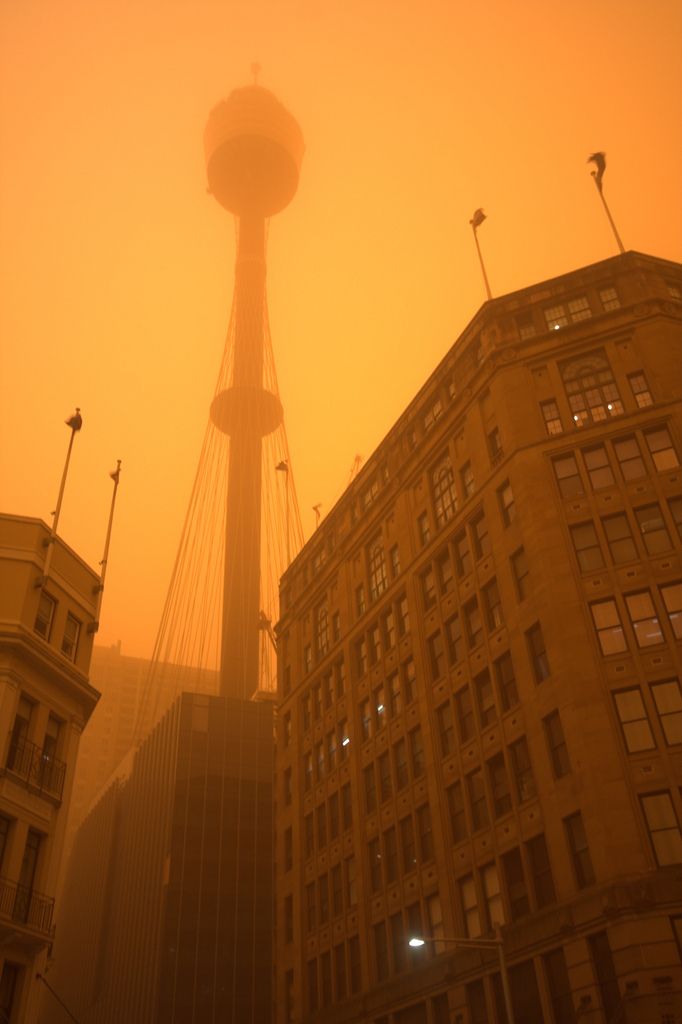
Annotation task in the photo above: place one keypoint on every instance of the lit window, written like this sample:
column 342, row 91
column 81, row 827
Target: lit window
column 661, row 449
column 672, row 599
column 568, row 476
column 591, row 390
column 467, row 477
column 377, row 569
column 668, row 701
column 629, row 458
column 519, row 564
column 556, row 745
column 633, row 720
column 609, row 627
column 538, row 653
column 72, row 630
column 552, row 417
column 444, row 493
column 653, row 529
column 507, row 506
column 644, row 619
column 556, row 317
column 598, row 467
column 619, row 538
column 580, row 853
column 663, row 826
column 609, row 299
column 640, row 389
column 586, row 546
column 45, row 615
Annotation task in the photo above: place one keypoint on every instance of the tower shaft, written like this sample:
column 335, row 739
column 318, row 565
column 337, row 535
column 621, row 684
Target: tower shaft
column 241, row 588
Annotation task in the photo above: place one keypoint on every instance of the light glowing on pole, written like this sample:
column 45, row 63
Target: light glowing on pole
column 417, row 941
column 599, row 161
column 476, row 221
column 75, row 422
column 99, row 589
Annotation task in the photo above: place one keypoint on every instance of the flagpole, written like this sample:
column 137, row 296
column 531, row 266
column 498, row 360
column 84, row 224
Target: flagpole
column 99, row 589
column 75, row 422
column 600, row 190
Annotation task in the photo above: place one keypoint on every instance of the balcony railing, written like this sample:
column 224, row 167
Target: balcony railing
column 37, row 769
column 25, row 906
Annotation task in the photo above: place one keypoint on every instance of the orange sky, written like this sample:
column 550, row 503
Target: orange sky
column 116, row 267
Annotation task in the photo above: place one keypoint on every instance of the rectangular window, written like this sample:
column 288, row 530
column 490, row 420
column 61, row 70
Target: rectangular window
column 586, row 547
column 395, row 702
column 323, row 898
column 394, row 555
column 465, row 714
column 568, row 476
column 417, row 753
column 409, row 678
column 321, row 818
column 485, row 699
column 388, row 629
column 506, row 682
column 432, row 414
column 640, row 389
column 307, row 770
column 607, row 979
column 311, row 906
column 661, row 449
column 423, row 529
column 541, row 871
column 313, row 997
column 458, row 825
column 515, row 882
column 453, row 637
column 598, row 467
column 526, row 326
column 524, row 781
column 340, row 972
column 499, row 785
column 354, row 962
column 379, row 701
column 552, row 417
column 663, row 826
column 633, row 720
column 521, row 573
column 360, row 603
column 390, row 855
column 45, row 615
column 556, row 745
column 675, row 506
column 462, row 555
column 319, row 761
column 340, row 678
column 480, row 536
column 322, row 629
column 505, row 497
column 629, row 458
column 653, row 529
column 307, row 659
column 644, row 619
column 444, row 573
column 592, row 392
column 619, row 538
column 490, row 883
column 609, row 627
column 374, row 860
column 492, row 604
column 385, row 787
column 344, row 739
column 374, row 644
column 477, row 802
column 308, row 835
column 446, row 730
column 360, row 656
column 495, row 445
column 370, row 789
column 400, row 764
column 380, row 950
column 428, row 588
column 407, row 844
column 672, row 599
column 537, row 652
column 351, row 882
column 668, row 701
column 378, row 580
column 346, row 806
column 403, row 616
column 579, row 850
column 609, row 299
column 398, row 942
column 425, row 832
column 472, row 623
column 467, row 479
column 472, row 919
column 444, row 493
column 334, row 818
column 559, row 986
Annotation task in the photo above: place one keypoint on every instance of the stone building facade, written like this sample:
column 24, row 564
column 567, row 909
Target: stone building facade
column 480, row 716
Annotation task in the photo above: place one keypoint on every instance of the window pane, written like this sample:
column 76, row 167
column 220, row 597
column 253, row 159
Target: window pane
column 672, row 598
column 633, row 719
column 661, row 448
column 668, row 700
column 629, row 458
column 644, row 619
column 653, row 529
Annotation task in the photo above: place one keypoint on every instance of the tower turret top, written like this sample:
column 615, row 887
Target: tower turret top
column 254, row 148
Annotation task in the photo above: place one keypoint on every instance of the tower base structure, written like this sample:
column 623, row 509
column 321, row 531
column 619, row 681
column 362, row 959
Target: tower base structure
column 167, row 913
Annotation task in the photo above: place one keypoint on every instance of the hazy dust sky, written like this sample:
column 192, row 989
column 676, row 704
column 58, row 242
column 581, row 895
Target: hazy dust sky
column 116, row 267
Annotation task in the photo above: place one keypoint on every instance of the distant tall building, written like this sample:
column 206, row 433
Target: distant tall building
column 480, row 717
column 45, row 701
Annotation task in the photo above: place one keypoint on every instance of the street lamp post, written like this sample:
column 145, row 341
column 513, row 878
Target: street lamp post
column 496, row 944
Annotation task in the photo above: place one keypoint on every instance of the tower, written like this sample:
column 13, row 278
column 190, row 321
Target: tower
column 254, row 149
